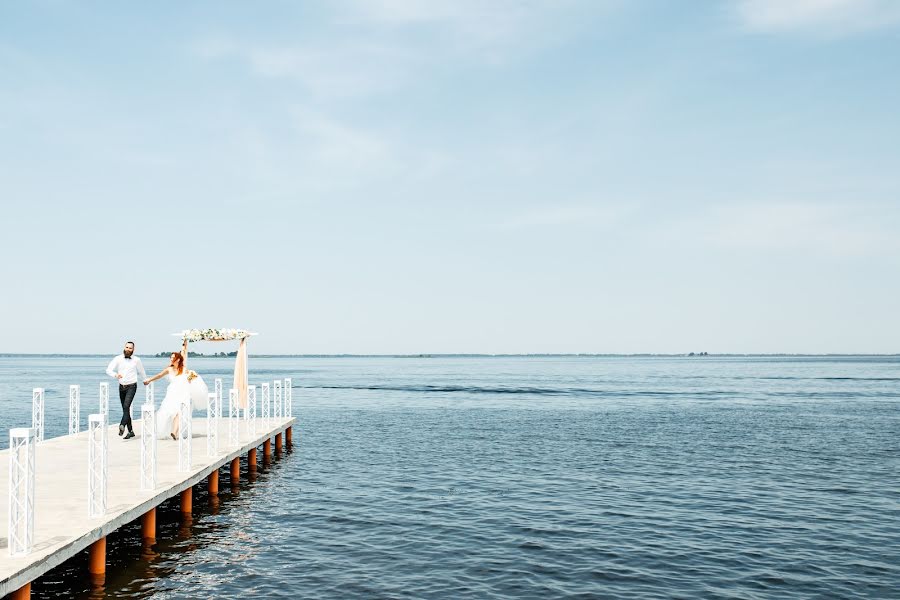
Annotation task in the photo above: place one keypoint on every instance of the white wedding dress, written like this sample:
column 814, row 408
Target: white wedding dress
column 180, row 390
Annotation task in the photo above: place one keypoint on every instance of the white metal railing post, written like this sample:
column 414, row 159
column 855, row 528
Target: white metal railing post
column 213, row 410
column 148, row 447
column 74, row 409
column 22, row 441
column 150, row 393
column 97, row 465
column 250, row 411
column 288, row 397
column 234, row 417
column 219, row 392
column 276, row 393
column 266, row 404
column 37, row 413
column 185, row 459
column 104, row 401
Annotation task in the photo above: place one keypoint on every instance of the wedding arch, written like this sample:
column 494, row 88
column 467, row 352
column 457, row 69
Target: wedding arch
column 223, row 335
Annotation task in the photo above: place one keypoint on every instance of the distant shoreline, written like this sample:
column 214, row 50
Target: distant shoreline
column 581, row 355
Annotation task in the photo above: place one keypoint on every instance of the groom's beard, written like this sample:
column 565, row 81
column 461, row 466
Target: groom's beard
column 128, row 354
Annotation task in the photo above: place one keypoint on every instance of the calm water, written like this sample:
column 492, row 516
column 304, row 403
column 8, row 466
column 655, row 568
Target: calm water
column 532, row 477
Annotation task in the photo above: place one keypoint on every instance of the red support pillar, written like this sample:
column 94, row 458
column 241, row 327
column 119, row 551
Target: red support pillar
column 278, row 443
column 187, row 501
column 148, row 526
column 97, row 558
column 23, row 593
column 212, row 483
column 235, row 471
column 251, row 460
column 288, row 435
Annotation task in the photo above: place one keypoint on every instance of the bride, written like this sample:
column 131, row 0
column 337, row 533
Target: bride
column 184, row 386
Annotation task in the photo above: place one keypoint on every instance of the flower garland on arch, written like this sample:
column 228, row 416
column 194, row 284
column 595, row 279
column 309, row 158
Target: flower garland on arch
column 213, row 335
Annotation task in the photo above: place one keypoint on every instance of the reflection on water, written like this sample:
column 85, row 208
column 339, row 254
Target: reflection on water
column 138, row 569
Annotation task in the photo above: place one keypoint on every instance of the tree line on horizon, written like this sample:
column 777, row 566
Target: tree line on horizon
column 200, row 354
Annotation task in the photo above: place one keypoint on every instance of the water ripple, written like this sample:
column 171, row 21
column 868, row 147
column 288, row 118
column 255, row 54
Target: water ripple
column 760, row 479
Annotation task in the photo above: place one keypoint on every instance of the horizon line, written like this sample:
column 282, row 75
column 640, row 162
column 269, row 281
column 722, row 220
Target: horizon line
column 484, row 354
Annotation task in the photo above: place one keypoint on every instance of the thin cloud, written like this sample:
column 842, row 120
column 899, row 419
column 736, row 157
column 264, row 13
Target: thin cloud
column 470, row 24
column 564, row 216
column 494, row 19
column 377, row 46
column 339, row 69
column 338, row 143
column 315, row 151
column 830, row 229
column 826, row 17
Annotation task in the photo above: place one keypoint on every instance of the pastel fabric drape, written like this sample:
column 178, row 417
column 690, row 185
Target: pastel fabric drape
column 240, row 374
column 240, row 370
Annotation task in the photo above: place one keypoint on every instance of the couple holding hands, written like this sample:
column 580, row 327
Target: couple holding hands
column 184, row 387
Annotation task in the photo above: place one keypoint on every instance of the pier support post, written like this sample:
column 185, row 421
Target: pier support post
column 278, row 444
column 23, row 593
column 288, row 397
column 185, row 435
column 98, row 457
column 277, row 403
column 250, row 411
column 267, row 450
column 148, row 526
column 104, row 402
column 20, row 530
column 37, row 413
column 234, row 418
column 212, row 483
column 235, row 471
column 74, row 409
column 266, row 404
column 251, row 459
column 97, row 557
column 187, row 501
column 213, row 413
column 288, row 436
column 148, row 447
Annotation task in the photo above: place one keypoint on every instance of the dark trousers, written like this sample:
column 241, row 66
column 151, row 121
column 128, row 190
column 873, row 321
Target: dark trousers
column 126, row 397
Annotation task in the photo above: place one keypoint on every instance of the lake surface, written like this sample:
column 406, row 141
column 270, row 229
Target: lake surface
column 699, row 477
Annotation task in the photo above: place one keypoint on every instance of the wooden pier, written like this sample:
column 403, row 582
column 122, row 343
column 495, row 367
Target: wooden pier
column 62, row 527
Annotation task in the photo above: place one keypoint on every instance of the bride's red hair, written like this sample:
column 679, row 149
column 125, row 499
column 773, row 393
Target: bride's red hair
column 178, row 362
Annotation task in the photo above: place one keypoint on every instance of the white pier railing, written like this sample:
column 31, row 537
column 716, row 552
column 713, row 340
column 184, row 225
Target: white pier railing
column 104, row 401
column 37, row 413
column 148, row 446
column 250, row 411
column 20, row 536
column 74, row 409
column 98, row 472
column 213, row 411
column 288, row 397
column 219, row 394
column 234, row 417
column 149, row 394
column 185, row 459
column 276, row 393
column 266, row 404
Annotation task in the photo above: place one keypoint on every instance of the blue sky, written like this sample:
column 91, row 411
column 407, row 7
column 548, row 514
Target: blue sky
column 402, row 176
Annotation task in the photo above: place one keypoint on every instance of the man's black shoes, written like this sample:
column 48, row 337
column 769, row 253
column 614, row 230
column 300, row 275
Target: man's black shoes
column 129, row 436
column 121, row 429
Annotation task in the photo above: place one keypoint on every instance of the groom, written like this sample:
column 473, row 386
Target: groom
column 125, row 368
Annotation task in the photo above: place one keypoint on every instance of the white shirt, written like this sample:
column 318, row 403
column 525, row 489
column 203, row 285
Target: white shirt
column 126, row 367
